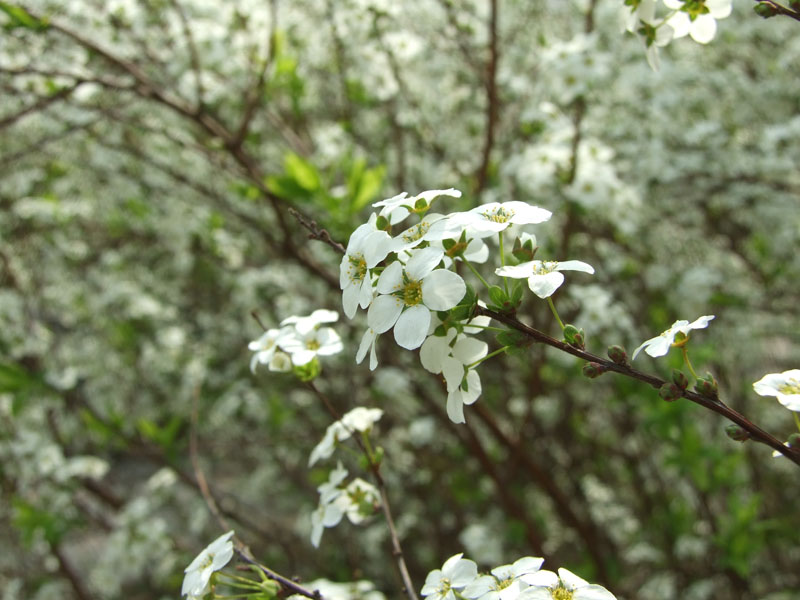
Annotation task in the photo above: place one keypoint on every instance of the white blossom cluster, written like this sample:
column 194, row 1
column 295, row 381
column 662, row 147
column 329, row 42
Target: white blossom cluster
column 522, row 580
column 407, row 281
column 696, row 18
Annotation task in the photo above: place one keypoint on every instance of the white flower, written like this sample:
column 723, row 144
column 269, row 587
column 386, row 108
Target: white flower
column 544, row 277
column 397, row 208
column 368, row 343
column 304, row 347
column 505, row 582
column 700, row 22
column 455, row 574
column 488, row 219
column 784, row 386
column 198, row 574
column 358, row 419
column 265, row 347
column 451, row 356
column 546, row 585
column 367, row 247
column 660, row 345
column 329, row 512
column 280, row 362
column 361, row 497
column 303, row 325
column 413, row 236
column 645, row 11
column 408, row 294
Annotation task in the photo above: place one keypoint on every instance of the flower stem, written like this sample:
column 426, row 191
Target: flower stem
column 503, row 262
column 488, row 356
column 796, row 419
column 685, row 352
column 238, row 582
column 555, row 312
column 478, row 275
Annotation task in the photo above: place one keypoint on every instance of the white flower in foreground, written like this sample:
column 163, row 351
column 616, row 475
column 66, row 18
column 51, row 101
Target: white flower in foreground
column 660, row 345
column 700, row 22
column 265, row 347
column 451, row 357
column 644, row 10
column 397, row 208
column 505, row 582
column 546, row 585
column 544, row 277
column 784, row 386
column 455, row 574
column 409, row 293
column 488, row 219
column 413, row 236
column 365, row 249
column 368, row 344
column 358, row 419
column 303, row 325
column 304, row 347
column 198, row 574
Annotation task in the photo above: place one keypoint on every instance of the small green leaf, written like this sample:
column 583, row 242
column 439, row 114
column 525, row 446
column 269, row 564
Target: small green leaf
column 497, row 296
column 302, row 172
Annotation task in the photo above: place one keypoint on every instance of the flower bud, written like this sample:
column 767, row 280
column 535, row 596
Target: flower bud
column 679, row 379
column 382, row 223
column 670, row 392
column 593, row 370
column 765, row 10
column 707, row 386
column 574, row 336
column 737, row 433
column 794, row 440
column 618, row 355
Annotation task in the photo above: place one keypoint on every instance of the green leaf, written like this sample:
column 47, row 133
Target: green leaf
column 19, row 17
column 497, row 296
column 302, row 172
column 367, row 188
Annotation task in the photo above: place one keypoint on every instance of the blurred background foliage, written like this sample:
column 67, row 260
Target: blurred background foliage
column 150, row 151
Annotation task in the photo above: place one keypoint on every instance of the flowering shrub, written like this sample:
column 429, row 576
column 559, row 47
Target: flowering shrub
column 174, row 167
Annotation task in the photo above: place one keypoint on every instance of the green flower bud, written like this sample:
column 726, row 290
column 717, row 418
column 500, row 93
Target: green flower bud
column 679, row 379
column 308, row 371
column 794, row 440
column 593, row 370
column 707, row 386
column 670, row 392
column 736, row 433
column 574, row 336
column 765, row 10
column 618, row 355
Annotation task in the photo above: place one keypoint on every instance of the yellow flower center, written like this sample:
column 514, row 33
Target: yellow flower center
column 412, row 292
column 358, row 268
column 312, row 345
column 790, row 387
column 544, row 268
column 561, row 593
column 500, row 215
column 416, row 232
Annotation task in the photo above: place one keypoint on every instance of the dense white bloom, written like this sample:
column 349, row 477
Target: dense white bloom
column 505, row 582
column 455, row 574
column 409, row 292
column 784, row 386
column 198, row 574
column 365, row 249
column 546, row 585
column 700, row 23
column 304, row 347
column 451, row 356
column 358, row 419
column 660, row 345
column 488, row 219
column 544, row 277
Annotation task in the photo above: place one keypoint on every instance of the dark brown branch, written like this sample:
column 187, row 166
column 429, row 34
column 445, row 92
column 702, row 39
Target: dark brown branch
column 194, row 57
column 68, row 571
column 717, row 406
column 37, row 106
column 492, row 100
column 780, row 9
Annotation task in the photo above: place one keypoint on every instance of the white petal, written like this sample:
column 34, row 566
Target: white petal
column 366, row 293
column 524, row 213
column 423, row 262
column 453, row 372
column 455, row 407
column 350, row 297
column 703, row 29
column 520, row 271
column 593, row 592
column 376, row 247
column 575, row 265
column 383, row 313
column 391, row 278
column 543, row 578
column 570, row 580
column 442, row 290
column 680, row 23
column 432, row 353
column 719, row 8
column 412, row 326
column 474, row 384
column 544, row 285
column 468, row 350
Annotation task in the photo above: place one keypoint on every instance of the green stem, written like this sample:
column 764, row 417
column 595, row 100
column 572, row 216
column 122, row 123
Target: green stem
column 685, row 352
column 368, row 448
column 486, row 327
column 237, row 581
column 503, row 262
column 796, row 419
column 488, row 356
column 478, row 275
column 555, row 312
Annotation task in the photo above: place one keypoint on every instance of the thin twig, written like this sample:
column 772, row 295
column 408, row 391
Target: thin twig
column 315, row 232
column 492, row 100
column 397, row 550
column 715, row 405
